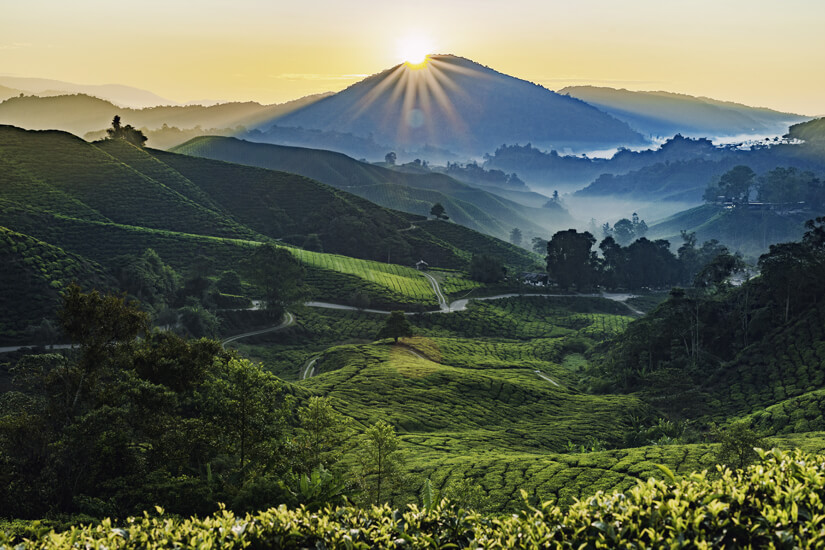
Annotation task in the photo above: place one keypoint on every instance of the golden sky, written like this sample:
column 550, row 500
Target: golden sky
column 758, row 52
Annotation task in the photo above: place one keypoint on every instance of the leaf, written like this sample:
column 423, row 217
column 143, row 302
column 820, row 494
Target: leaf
column 667, row 472
column 427, row 494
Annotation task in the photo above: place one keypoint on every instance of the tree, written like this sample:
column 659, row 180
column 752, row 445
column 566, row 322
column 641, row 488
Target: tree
column 515, row 236
column 126, row 133
column 390, row 158
column 438, row 211
column 734, row 184
column 570, row 260
column 396, row 326
column 278, row 274
column 539, row 245
column 380, row 462
column 486, row 269
column 736, row 446
column 322, row 432
column 623, row 231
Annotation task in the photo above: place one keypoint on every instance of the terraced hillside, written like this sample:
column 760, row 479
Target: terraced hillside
column 465, row 204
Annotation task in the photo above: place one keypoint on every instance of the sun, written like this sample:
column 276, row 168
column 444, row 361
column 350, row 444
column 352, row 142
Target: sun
column 414, row 50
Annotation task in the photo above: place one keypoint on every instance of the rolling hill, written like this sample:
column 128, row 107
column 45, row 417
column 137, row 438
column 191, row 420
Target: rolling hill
column 455, row 104
column 95, row 202
column 125, row 96
column 167, row 125
column 665, row 113
column 412, row 192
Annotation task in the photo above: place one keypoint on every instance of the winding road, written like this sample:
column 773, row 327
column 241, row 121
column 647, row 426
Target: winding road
column 289, row 320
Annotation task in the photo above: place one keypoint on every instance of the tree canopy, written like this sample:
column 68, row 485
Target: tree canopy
column 126, row 133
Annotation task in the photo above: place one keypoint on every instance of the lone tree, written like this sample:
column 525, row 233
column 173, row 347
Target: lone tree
column 515, row 236
column 126, row 133
column 278, row 274
column 390, row 158
column 438, row 211
column 734, row 184
column 396, row 326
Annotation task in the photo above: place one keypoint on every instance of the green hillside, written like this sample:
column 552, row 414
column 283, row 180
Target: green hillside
column 33, row 275
column 465, row 204
column 750, row 232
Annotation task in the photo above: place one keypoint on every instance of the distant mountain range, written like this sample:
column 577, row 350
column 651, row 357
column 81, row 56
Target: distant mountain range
column 124, row 96
column 665, row 114
column 454, row 104
column 81, row 114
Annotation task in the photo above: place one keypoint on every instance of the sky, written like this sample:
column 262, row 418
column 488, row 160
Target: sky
column 757, row 52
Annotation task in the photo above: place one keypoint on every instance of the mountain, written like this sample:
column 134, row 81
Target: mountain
column 744, row 230
column 811, row 131
column 164, row 125
column 455, row 104
column 665, row 113
column 410, row 192
column 125, row 96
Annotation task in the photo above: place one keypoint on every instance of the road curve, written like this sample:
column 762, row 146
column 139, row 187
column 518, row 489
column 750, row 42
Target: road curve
column 289, row 320
column 442, row 301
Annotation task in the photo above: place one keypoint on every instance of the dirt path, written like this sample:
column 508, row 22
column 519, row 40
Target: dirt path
column 308, row 371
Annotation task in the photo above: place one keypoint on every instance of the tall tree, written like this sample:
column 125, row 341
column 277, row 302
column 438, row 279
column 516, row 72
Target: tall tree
column 515, row 236
column 438, row 211
column 570, row 260
column 126, row 133
column 380, row 462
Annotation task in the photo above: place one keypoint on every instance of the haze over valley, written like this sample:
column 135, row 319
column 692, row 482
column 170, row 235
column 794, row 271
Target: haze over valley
column 412, row 275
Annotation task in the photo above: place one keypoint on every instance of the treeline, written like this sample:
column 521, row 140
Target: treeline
column 679, row 348
column 778, row 186
column 573, row 263
column 134, row 419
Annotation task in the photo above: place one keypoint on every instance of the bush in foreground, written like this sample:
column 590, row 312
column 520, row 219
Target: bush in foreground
column 777, row 502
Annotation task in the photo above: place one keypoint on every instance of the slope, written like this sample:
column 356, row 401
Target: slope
column 456, row 104
column 741, row 229
column 416, row 193
column 32, row 277
column 665, row 113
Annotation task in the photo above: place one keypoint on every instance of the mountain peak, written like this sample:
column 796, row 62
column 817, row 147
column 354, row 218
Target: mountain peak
column 456, row 104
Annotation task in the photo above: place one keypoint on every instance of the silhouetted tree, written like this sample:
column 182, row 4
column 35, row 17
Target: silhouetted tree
column 515, row 236
column 126, row 133
column 438, row 211
column 486, row 269
column 390, row 158
column 570, row 260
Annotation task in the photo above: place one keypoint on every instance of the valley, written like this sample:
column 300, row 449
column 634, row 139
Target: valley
column 418, row 303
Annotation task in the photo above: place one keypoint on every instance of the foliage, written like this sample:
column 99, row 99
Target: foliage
column 486, row 269
column 126, row 133
column 515, row 236
column 776, row 503
column 569, row 259
column 380, row 461
column 396, row 326
column 438, row 212
column 737, row 446
column 278, row 274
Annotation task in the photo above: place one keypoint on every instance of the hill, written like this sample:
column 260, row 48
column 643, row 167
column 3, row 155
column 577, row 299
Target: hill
column 37, row 272
column 811, row 131
column 411, row 192
column 126, row 96
column 169, row 125
column 665, row 113
column 455, row 104
column 744, row 230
